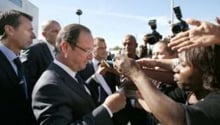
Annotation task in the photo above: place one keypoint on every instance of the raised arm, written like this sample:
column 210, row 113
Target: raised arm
column 203, row 34
column 167, row 111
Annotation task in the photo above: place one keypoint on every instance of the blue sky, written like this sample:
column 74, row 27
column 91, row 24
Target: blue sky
column 113, row 19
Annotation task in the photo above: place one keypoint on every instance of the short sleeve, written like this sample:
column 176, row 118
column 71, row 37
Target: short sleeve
column 206, row 112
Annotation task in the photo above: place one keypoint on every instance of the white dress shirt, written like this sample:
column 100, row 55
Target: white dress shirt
column 51, row 48
column 99, row 78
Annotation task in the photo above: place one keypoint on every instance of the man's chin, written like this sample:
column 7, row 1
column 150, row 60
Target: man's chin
column 24, row 46
column 82, row 67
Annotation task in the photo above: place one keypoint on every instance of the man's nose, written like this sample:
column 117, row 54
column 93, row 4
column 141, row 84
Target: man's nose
column 33, row 35
column 90, row 56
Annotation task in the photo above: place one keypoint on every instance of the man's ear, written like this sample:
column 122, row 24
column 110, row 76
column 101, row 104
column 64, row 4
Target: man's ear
column 9, row 30
column 64, row 47
column 43, row 34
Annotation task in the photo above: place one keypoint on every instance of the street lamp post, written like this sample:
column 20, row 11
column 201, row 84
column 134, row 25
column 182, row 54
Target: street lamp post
column 171, row 21
column 79, row 13
column 172, row 15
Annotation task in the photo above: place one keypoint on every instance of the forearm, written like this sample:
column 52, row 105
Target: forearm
column 166, row 63
column 163, row 76
column 167, row 111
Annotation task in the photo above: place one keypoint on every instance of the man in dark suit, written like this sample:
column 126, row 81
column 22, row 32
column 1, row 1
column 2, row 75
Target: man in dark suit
column 16, row 33
column 39, row 55
column 60, row 95
column 141, row 117
column 100, row 81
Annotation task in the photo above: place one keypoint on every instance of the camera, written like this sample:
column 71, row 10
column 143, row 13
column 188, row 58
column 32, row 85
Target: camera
column 154, row 36
column 153, row 24
column 181, row 25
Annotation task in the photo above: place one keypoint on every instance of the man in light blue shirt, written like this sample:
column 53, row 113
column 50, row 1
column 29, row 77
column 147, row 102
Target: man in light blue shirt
column 16, row 33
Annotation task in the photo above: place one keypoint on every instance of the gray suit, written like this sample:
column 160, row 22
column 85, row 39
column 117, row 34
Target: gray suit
column 59, row 100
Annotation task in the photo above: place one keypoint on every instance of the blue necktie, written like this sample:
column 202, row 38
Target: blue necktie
column 21, row 77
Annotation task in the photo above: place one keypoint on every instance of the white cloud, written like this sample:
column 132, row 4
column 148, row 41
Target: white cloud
column 161, row 20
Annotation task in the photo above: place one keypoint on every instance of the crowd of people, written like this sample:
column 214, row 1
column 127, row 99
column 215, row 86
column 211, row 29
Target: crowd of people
column 66, row 79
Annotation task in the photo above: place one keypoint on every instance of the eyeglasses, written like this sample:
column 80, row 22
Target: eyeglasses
column 85, row 50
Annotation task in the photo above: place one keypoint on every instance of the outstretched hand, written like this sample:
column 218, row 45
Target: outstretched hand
column 125, row 65
column 147, row 63
column 204, row 34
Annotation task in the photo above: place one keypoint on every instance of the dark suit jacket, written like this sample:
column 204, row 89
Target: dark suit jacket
column 15, row 109
column 38, row 59
column 59, row 100
column 111, row 79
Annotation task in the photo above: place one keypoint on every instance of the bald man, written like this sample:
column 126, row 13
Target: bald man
column 42, row 53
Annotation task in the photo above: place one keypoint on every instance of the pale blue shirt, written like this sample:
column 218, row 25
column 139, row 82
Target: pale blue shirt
column 10, row 55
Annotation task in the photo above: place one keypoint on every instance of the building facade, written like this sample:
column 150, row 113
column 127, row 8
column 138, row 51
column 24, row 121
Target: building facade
column 24, row 6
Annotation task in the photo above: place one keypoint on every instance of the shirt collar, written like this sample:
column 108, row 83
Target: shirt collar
column 65, row 68
column 95, row 61
column 51, row 47
column 8, row 53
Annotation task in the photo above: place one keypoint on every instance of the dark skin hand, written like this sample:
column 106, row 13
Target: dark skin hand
column 203, row 34
column 158, row 103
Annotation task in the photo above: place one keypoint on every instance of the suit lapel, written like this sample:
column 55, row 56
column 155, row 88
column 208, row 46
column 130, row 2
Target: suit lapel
column 91, row 69
column 87, row 72
column 106, row 77
column 74, row 85
column 111, row 81
column 7, row 67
